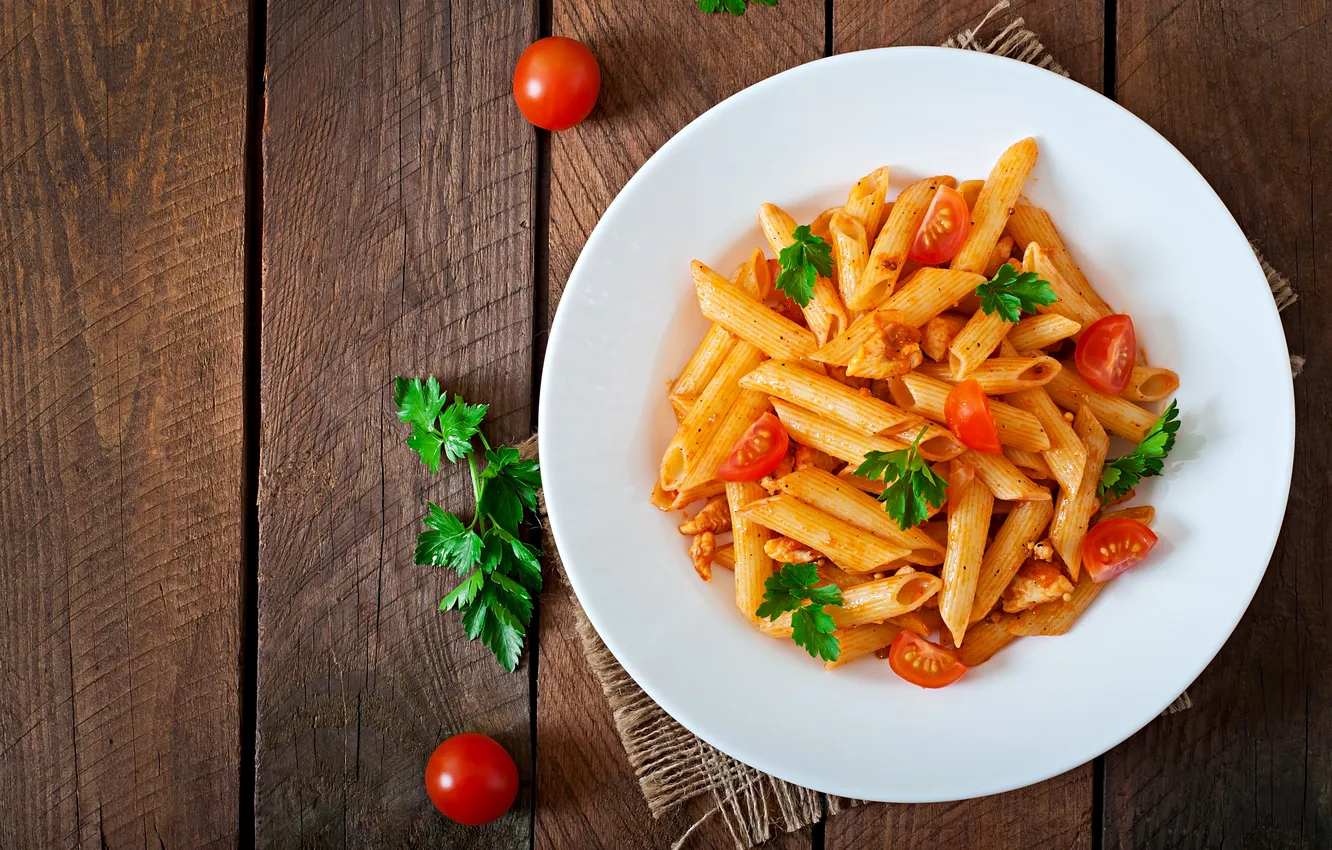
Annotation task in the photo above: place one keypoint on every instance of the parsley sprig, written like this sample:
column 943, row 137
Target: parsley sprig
column 792, row 589
column 499, row 572
column 1013, row 294
column 802, row 262
column 735, row 7
column 1123, row 473
column 913, row 488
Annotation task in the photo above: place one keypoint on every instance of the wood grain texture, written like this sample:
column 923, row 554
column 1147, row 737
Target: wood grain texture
column 398, row 206
column 662, row 64
column 121, row 289
column 1241, row 90
column 1056, row 813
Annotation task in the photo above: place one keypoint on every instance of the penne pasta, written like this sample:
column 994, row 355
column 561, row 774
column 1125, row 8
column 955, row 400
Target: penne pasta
column 1073, row 511
column 831, row 398
column 724, row 557
column 1032, row 463
column 1150, row 383
column 1032, row 224
column 968, row 525
column 1009, row 549
column 684, row 498
column 1145, row 514
column 844, row 443
column 867, row 201
column 825, row 313
column 681, row 405
column 728, row 306
column 878, row 600
column 1119, row 415
column 746, row 410
column 983, row 641
column 1053, row 618
column 751, row 564
column 702, row 365
column 1016, row 427
column 859, row 641
column 850, row 250
column 833, row 574
column 1070, row 303
column 1034, row 332
column 1003, row 478
column 850, row 548
column 970, row 191
column 995, row 205
column 889, row 253
column 975, row 342
column 706, row 416
column 843, row 500
column 1000, row 375
column 923, row 621
column 1065, row 454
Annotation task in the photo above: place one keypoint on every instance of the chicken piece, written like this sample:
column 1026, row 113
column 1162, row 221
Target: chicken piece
column 807, row 458
column 770, row 484
column 701, row 551
column 938, row 334
column 1036, row 582
column 891, row 353
column 1040, row 551
column 784, row 550
column 714, row 517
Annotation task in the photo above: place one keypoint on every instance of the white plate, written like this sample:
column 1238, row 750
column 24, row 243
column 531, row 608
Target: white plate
column 1155, row 241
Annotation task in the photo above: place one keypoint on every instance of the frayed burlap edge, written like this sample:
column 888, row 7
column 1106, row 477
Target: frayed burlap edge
column 672, row 764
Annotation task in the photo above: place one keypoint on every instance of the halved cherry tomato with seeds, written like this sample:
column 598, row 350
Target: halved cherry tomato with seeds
column 1106, row 352
column 758, row 451
column 922, row 662
column 945, row 228
column 1115, row 545
column 967, row 412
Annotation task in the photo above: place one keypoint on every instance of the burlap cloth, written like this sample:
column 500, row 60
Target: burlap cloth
column 672, row 764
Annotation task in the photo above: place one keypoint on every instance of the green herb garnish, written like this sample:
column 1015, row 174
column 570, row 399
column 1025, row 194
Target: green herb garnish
column 1123, row 473
column 735, row 7
column 1013, row 294
column 913, row 488
column 792, row 589
column 802, row 262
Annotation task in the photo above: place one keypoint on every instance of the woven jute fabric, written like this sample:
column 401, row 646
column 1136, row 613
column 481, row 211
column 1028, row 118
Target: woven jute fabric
column 672, row 764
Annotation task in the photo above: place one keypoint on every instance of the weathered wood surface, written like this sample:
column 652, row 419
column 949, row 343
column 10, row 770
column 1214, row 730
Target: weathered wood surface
column 121, row 290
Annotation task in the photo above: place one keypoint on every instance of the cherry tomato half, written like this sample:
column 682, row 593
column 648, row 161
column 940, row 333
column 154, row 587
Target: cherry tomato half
column 556, row 82
column 757, row 452
column 967, row 412
column 1105, row 354
column 471, row 779
column 922, row 662
column 945, row 227
column 1115, row 545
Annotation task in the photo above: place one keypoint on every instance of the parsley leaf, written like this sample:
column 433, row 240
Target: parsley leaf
column 802, row 262
column 792, row 589
column 1013, row 294
column 913, row 488
column 1123, row 473
column 735, row 7
column 499, row 572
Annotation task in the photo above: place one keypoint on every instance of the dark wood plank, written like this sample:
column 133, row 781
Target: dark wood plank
column 121, row 290
column 1056, row 813
column 1242, row 89
column 398, row 207
column 662, row 65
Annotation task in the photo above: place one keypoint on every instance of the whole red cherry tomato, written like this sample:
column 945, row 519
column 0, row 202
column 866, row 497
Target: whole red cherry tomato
column 471, row 779
column 556, row 82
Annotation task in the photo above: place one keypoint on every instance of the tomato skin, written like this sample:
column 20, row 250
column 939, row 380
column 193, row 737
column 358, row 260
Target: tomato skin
column 910, row 649
column 1108, row 549
column 1106, row 352
column 967, row 412
column 944, row 229
column 471, row 779
column 556, row 82
column 758, row 451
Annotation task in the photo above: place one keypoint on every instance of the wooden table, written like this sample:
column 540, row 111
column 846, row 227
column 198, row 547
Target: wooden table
column 224, row 229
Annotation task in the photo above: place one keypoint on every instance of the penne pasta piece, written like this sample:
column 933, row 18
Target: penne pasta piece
column 1053, row 618
column 923, row 621
column 684, row 498
column 1119, row 415
column 850, row 250
column 1070, row 303
column 1009, row 549
column 840, row 498
column 1145, row 514
column 702, row 365
column 833, row 574
column 850, row 548
column 878, row 600
column 995, row 205
column 999, row 256
column 1073, row 511
column 970, row 190
column 728, row 306
column 859, row 641
column 1004, row 479
column 867, row 201
column 745, row 411
column 1000, row 375
column 1151, row 383
column 751, row 564
column 681, row 405
column 968, row 525
column 831, row 398
column 1036, row 332
column 818, row 227
column 983, row 641
column 976, row 342
column 1032, row 463
column 938, row 333
column 889, row 253
column 825, row 312
column 706, row 416
column 1065, row 454
column 1032, row 224
column 661, row 498
column 724, row 557
column 829, row 437
column 1016, row 427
